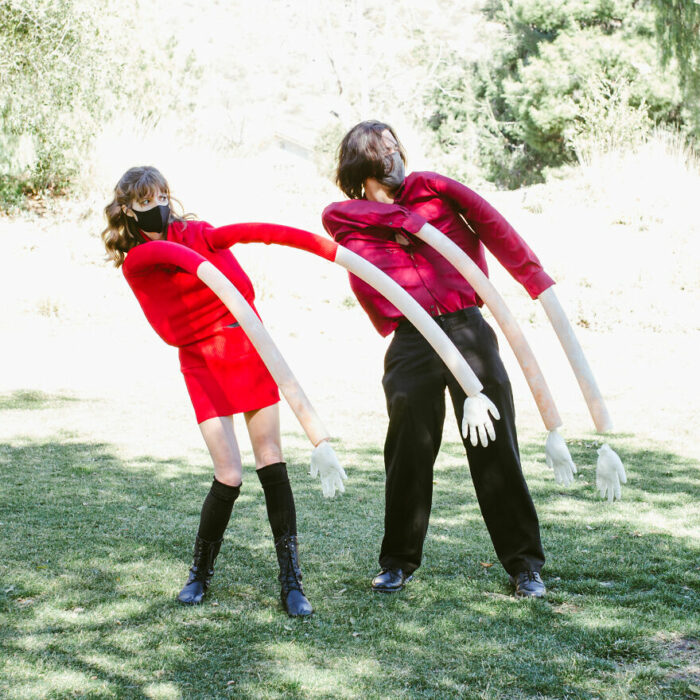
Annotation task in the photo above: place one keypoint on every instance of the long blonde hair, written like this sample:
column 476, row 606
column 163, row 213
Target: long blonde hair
column 122, row 234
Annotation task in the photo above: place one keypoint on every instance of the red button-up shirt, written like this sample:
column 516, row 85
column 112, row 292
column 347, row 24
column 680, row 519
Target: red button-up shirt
column 369, row 229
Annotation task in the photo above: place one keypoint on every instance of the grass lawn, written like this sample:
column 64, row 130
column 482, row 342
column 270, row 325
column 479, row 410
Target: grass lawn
column 95, row 546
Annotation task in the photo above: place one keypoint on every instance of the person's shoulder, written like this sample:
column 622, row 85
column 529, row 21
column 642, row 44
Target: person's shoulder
column 424, row 180
column 424, row 177
column 338, row 206
column 336, row 209
column 182, row 229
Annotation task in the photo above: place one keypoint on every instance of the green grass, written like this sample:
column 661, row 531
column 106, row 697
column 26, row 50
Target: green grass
column 95, row 547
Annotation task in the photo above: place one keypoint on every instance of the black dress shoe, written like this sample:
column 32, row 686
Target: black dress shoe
column 390, row 580
column 528, row 584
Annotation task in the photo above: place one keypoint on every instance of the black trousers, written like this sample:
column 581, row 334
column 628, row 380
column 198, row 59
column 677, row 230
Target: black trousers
column 414, row 383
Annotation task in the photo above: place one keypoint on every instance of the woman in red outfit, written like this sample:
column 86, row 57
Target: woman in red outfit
column 223, row 373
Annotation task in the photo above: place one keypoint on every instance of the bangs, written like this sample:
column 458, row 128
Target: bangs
column 150, row 181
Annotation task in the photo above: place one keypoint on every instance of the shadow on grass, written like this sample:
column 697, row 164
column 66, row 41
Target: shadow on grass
column 94, row 549
column 32, row 400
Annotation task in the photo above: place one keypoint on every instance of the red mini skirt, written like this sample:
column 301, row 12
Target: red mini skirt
column 225, row 375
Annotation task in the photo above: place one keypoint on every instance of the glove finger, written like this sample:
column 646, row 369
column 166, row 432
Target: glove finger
column 611, row 495
column 491, row 431
column 558, row 477
column 483, row 438
column 473, row 437
column 618, row 492
column 493, row 410
column 621, row 474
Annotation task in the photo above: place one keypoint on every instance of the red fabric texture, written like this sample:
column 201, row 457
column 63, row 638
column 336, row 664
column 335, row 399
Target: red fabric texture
column 226, row 236
column 179, row 306
column 223, row 372
column 369, row 229
column 225, row 375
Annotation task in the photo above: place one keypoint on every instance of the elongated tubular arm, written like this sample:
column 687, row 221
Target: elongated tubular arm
column 577, row 360
column 358, row 266
column 226, row 236
column 505, row 319
column 167, row 253
column 415, row 313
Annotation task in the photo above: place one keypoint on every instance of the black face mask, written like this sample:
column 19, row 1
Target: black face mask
column 395, row 174
column 154, row 220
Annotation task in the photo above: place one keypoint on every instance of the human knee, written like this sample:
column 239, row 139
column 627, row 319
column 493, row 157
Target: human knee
column 228, row 473
column 267, row 454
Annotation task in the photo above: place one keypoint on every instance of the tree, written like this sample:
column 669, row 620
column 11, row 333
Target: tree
column 557, row 71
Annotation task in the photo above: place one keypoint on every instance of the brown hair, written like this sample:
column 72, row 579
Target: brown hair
column 122, row 234
column 361, row 155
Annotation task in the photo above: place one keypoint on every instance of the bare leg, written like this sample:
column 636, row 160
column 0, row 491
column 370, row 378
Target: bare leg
column 264, row 431
column 221, row 442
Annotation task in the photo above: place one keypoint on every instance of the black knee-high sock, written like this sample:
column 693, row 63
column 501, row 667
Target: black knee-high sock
column 278, row 499
column 216, row 511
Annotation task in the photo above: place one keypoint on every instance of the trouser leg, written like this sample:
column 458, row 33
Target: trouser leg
column 415, row 395
column 503, row 495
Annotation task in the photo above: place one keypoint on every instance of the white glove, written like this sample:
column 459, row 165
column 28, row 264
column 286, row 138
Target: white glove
column 476, row 422
column 558, row 459
column 609, row 474
column 325, row 463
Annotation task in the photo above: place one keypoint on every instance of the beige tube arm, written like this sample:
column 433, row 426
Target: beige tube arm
column 415, row 313
column 505, row 319
column 266, row 348
column 577, row 360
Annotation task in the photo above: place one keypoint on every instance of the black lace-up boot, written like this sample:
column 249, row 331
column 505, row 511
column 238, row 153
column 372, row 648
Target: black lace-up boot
column 291, row 594
column 201, row 571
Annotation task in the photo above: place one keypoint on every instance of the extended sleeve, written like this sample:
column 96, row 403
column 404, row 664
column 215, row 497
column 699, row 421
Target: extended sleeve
column 226, row 236
column 496, row 234
column 352, row 216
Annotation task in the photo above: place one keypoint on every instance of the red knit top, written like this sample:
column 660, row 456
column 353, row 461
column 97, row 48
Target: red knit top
column 179, row 306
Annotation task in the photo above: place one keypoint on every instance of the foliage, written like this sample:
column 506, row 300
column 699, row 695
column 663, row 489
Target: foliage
column 557, row 72
column 52, row 89
column 678, row 31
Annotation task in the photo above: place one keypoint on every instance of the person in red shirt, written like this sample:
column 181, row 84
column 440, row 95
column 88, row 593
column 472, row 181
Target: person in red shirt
column 384, row 209
column 223, row 373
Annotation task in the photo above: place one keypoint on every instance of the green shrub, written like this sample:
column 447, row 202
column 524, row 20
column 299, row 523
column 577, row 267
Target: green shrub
column 55, row 81
column 559, row 74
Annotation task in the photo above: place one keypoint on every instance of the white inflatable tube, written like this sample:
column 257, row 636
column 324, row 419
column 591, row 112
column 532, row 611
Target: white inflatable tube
column 505, row 319
column 577, row 360
column 415, row 313
column 268, row 351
